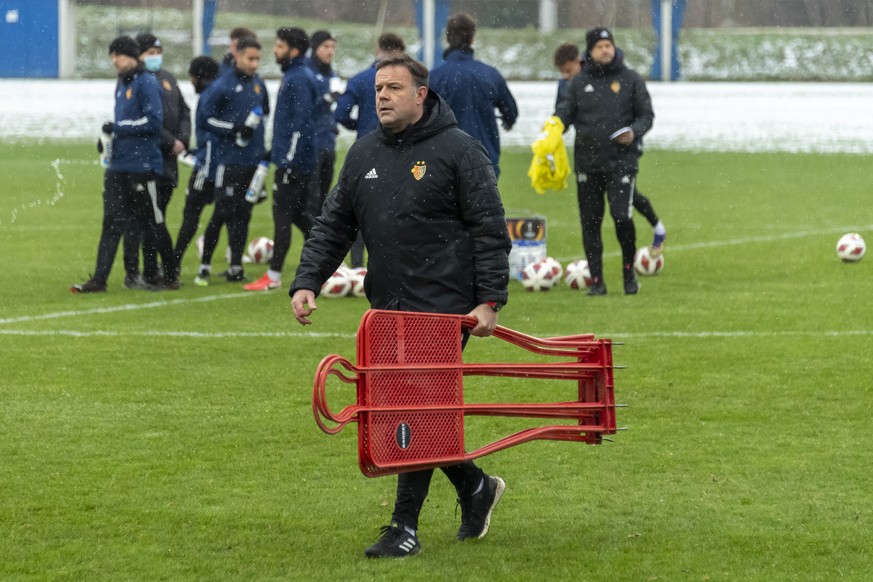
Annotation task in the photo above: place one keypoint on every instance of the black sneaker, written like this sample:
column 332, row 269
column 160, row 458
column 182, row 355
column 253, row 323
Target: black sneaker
column 598, row 287
column 631, row 285
column 394, row 542
column 89, row 286
column 170, row 284
column 136, row 282
column 234, row 277
column 476, row 510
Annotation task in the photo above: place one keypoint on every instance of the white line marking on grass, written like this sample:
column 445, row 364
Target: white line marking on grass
column 185, row 334
column 738, row 334
column 315, row 334
column 748, row 240
column 118, row 308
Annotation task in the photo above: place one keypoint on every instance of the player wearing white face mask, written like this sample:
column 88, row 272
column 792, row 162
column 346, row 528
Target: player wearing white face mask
column 175, row 137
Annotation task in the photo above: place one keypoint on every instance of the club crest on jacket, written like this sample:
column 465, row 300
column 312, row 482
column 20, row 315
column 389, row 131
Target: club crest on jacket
column 419, row 170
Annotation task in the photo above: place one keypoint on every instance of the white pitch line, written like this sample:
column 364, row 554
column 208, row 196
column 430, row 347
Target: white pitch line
column 749, row 240
column 185, row 334
column 738, row 334
column 126, row 307
column 315, row 334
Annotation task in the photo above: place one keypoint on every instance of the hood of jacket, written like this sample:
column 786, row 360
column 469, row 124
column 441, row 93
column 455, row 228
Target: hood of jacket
column 598, row 70
column 437, row 117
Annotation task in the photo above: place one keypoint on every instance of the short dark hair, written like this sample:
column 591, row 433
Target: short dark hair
column 247, row 42
column 460, row 30
column 203, row 67
column 294, row 38
column 417, row 69
column 241, row 32
column 390, row 42
column 566, row 53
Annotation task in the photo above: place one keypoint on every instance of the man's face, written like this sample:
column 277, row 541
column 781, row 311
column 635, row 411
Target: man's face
column 570, row 69
column 248, row 59
column 603, row 52
column 152, row 51
column 283, row 52
column 325, row 51
column 398, row 101
column 123, row 63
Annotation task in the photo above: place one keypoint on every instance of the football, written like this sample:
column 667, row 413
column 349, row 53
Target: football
column 556, row 268
column 578, row 275
column 539, row 276
column 261, row 250
column 357, row 278
column 645, row 264
column 337, row 285
column 851, row 248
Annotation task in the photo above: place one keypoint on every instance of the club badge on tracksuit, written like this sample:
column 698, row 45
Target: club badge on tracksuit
column 419, row 170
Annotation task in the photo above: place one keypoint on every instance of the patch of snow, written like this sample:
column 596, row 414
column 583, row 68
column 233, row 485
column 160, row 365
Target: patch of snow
column 747, row 117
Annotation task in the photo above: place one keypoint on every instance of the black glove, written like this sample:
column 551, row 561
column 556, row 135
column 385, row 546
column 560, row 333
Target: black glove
column 99, row 146
column 108, row 127
column 244, row 131
column 267, row 155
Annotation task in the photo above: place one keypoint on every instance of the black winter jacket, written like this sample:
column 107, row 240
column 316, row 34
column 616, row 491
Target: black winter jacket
column 430, row 214
column 177, row 123
column 599, row 101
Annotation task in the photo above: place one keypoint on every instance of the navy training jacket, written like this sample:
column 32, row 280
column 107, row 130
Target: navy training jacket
column 360, row 91
column 294, row 144
column 230, row 99
column 139, row 119
column 474, row 90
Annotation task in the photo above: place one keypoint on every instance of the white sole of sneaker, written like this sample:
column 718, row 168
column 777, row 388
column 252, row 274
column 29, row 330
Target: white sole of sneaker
column 501, row 487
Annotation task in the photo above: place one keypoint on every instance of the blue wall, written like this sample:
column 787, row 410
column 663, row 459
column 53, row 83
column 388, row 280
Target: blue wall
column 29, row 38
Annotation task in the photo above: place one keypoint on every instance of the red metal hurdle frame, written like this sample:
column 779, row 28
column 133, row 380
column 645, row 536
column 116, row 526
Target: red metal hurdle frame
column 410, row 397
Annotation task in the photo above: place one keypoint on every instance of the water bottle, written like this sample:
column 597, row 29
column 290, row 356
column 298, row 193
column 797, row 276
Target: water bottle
column 257, row 183
column 253, row 120
column 106, row 143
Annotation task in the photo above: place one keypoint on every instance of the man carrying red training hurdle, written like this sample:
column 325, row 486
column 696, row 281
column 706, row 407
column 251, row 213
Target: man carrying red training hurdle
column 424, row 195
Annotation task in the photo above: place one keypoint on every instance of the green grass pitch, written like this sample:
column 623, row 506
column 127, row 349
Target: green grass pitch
column 167, row 436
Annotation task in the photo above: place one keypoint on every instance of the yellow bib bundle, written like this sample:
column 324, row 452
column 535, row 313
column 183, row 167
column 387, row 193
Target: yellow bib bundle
column 550, row 166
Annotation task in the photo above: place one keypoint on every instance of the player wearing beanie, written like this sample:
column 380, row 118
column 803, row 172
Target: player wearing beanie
column 610, row 108
column 130, row 182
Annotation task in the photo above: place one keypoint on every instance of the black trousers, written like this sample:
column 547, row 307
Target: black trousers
column 413, row 487
column 322, row 181
column 130, row 203
column 619, row 190
column 199, row 194
column 292, row 202
column 137, row 237
column 644, row 206
column 231, row 210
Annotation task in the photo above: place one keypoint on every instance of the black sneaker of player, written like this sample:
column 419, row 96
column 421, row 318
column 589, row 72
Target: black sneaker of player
column 394, row 542
column 598, row 287
column 89, row 286
column 476, row 510
column 234, row 277
column 139, row 283
column 631, row 285
column 170, row 284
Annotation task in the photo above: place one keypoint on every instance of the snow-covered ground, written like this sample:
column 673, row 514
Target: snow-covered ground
column 755, row 117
